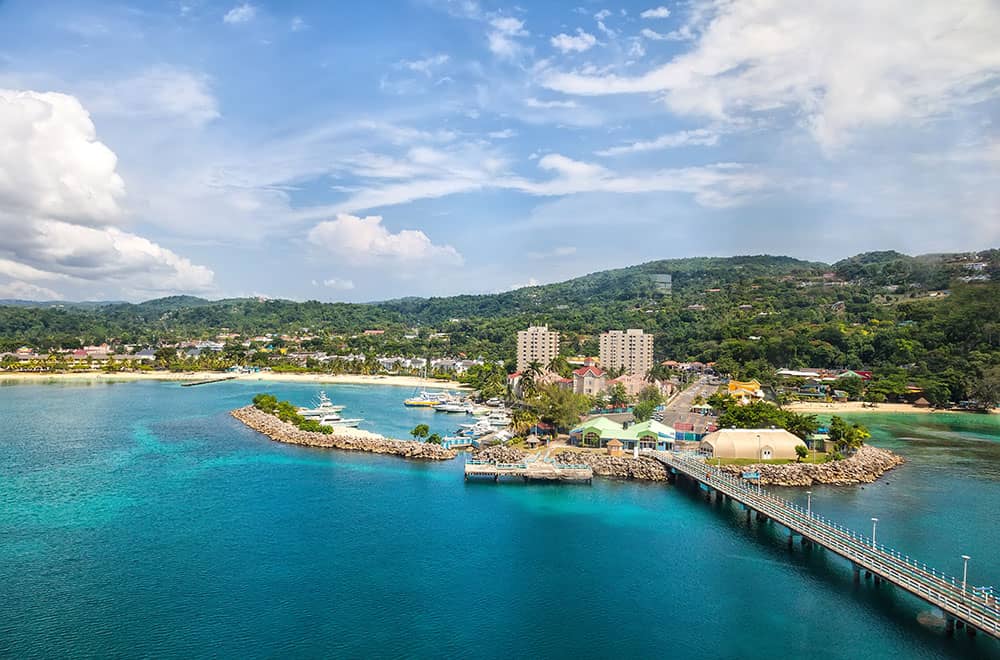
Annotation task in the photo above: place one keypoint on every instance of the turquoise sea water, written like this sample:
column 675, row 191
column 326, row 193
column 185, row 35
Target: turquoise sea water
column 140, row 519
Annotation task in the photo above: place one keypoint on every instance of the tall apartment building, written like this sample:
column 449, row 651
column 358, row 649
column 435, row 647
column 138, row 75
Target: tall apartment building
column 536, row 344
column 631, row 349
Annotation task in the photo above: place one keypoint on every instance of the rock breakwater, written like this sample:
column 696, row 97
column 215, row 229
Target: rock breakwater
column 864, row 467
column 499, row 454
column 346, row 439
column 616, row 467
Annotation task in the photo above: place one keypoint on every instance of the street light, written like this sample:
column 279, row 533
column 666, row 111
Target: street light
column 809, row 500
column 874, row 523
column 965, row 572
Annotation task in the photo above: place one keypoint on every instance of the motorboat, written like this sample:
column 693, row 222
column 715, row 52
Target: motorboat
column 425, row 400
column 477, row 430
column 497, row 418
column 336, row 420
column 323, row 407
column 494, row 402
column 455, row 407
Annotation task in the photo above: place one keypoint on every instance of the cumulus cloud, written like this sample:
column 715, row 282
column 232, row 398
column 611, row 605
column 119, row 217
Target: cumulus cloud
column 696, row 137
column 60, row 205
column 366, row 240
column 240, row 14
column 841, row 68
column 578, row 43
column 656, row 12
column 338, row 284
column 503, row 37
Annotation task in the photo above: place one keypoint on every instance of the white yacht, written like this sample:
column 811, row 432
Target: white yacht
column 336, row 420
column 477, row 430
column 323, row 407
column 498, row 418
column 455, row 407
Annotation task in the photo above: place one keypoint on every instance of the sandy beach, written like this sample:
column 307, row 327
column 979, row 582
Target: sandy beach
column 853, row 407
column 331, row 379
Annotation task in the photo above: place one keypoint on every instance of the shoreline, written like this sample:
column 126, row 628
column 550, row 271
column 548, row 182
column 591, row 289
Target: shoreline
column 852, row 407
column 171, row 376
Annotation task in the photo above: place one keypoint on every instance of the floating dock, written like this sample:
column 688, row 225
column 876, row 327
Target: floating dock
column 528, row 471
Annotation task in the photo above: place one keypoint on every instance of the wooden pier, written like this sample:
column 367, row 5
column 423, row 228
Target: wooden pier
column 528, row 471
column 208, row 381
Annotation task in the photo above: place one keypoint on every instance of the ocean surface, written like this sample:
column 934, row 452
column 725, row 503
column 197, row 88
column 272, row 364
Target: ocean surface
column 139, row 519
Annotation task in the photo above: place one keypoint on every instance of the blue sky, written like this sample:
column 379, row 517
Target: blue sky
column 362, row 151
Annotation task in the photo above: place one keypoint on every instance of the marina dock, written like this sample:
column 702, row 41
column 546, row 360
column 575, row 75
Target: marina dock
column 528, row 471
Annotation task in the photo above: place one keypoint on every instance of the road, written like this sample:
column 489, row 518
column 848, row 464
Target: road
column 679, row 409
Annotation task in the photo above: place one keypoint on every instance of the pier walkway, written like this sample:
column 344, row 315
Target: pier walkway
column 973, row 607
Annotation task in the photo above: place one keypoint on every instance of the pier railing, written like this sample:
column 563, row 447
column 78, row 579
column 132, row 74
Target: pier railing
column 974, row 605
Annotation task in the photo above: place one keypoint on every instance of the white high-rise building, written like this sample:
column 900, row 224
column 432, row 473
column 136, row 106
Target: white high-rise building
column 536, row 344
column 631, row 349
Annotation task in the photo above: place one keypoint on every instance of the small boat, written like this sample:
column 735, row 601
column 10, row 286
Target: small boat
column 425, row 400
column 336, row 420
column 323, row 407
column 497, row 418
column 454, row 407
column 494, row 402
column 476, row 430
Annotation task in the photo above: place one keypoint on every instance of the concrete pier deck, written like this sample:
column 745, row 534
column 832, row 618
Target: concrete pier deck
column 528, row 471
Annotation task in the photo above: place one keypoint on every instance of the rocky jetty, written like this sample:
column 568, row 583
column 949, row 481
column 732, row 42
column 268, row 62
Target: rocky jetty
column 864, row 467
column 616, row 467
column 347, row 439
column 499, row 454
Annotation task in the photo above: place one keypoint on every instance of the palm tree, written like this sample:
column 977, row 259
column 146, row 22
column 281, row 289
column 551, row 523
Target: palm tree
column 523, row 419
column 559, row 365
column 529, row 379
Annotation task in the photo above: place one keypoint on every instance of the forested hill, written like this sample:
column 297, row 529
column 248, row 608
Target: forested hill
column 635, row 283
column 919, row 316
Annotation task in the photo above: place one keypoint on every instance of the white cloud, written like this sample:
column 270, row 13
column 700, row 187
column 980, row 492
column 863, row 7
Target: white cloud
column 240, row 14
column 505, row 134
column 696, row 137
column 365, row 240
column 425, row 65
column 601, row 15
column 654, row 36
column 60, row 202
column 159, row 93
column 841, row 68
column 502, row 38
column 532, row 102
column 574, row 44
column 297, row 24
column 556, row 252
column 532, row 281
column 656, row 12
column 23, row 291
column 339, row 284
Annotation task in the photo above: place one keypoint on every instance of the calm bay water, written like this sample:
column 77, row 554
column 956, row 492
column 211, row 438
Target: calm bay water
column 140, row 519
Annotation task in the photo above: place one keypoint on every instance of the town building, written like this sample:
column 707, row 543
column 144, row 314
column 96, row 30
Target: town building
column 536, row 344
column 759, row 444
column 589, row 380
column 631, row 350
column 601, row 432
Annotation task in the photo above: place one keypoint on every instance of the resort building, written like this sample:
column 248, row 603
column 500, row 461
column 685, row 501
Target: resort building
column 589, row 380
column 631, row 350
column 759, row 444
column 745, row 391
column 536, row 344
column 602, row 432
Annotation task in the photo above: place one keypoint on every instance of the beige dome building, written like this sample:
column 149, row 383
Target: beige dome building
column 761, row 444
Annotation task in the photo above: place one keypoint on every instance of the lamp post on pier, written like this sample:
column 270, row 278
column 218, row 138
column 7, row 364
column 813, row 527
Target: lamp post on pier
column 809, row 501
column 965, row 571
column 874, row 523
